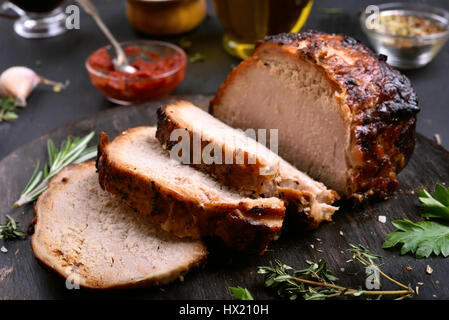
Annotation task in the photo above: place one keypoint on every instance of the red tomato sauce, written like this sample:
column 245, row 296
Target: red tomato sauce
column 154, row 78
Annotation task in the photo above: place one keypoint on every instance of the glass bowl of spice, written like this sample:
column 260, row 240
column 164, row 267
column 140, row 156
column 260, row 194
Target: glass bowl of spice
column 160, row 68
column 410, row 35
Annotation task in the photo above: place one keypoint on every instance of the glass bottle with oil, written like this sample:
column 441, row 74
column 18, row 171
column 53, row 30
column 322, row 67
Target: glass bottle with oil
column 246, row 21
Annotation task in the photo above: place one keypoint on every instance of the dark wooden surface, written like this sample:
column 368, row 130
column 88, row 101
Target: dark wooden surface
column 63, row 57
column 22, row 277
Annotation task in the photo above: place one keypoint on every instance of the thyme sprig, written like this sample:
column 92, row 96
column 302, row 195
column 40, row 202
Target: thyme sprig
column 10, row 230
column 319, row 283
column 72, row 150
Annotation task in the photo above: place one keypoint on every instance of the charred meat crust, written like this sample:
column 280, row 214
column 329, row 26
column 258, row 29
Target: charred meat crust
column 382, row 103
column 238, row 226
column 243, row 177
column 298, row 205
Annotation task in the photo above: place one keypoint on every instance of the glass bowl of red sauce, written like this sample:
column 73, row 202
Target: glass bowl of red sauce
column 160, row 68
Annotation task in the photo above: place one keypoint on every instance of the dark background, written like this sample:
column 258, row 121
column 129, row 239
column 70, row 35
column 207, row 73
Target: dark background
column 62, row 58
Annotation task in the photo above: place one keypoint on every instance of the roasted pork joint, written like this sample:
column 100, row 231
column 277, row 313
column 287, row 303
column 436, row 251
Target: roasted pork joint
column 344, row 115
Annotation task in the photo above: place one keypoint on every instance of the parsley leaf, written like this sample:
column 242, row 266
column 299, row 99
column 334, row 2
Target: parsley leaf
column 422, row 238
column 240, row 293
column 437, row 207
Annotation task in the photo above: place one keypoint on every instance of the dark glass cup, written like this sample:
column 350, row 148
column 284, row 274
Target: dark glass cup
column 38, row 18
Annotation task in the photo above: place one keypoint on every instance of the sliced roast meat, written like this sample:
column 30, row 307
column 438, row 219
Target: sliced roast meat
column 97, row 241
column 182, row 200
column 185, row 128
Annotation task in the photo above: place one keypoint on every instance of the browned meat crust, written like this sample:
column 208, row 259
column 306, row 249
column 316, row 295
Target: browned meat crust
column 380, row 102
column 245, row 177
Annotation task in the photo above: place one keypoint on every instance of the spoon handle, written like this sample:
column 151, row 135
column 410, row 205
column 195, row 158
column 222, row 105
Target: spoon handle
column 90, row 9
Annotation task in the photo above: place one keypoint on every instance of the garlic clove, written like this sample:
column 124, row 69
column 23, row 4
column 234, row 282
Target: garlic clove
column 18, row 82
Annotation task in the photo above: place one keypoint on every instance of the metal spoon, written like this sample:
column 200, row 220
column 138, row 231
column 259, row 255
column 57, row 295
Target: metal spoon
column 120, row 62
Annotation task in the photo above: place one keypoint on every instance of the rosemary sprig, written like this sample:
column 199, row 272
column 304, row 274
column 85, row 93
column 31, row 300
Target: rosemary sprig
column 10, row 230
column 320, row 283
column 72, row 150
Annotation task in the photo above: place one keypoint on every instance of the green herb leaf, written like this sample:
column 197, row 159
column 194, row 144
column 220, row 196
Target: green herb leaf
column 358, row 293
column 319, row 294
column 197, row 57
column 72, row 150
column 437, row 207
column 277, row 276
column 240, row 293
column 319, row 283
column 318, row 270
column 284, row 279
column 10, row 116
column 422, row 238
column 359, row 251
column 7, row 110
column 10, row 230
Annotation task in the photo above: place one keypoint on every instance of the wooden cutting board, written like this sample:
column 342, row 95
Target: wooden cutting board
column 22, row 277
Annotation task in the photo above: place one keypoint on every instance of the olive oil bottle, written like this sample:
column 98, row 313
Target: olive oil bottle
column 246, row 21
